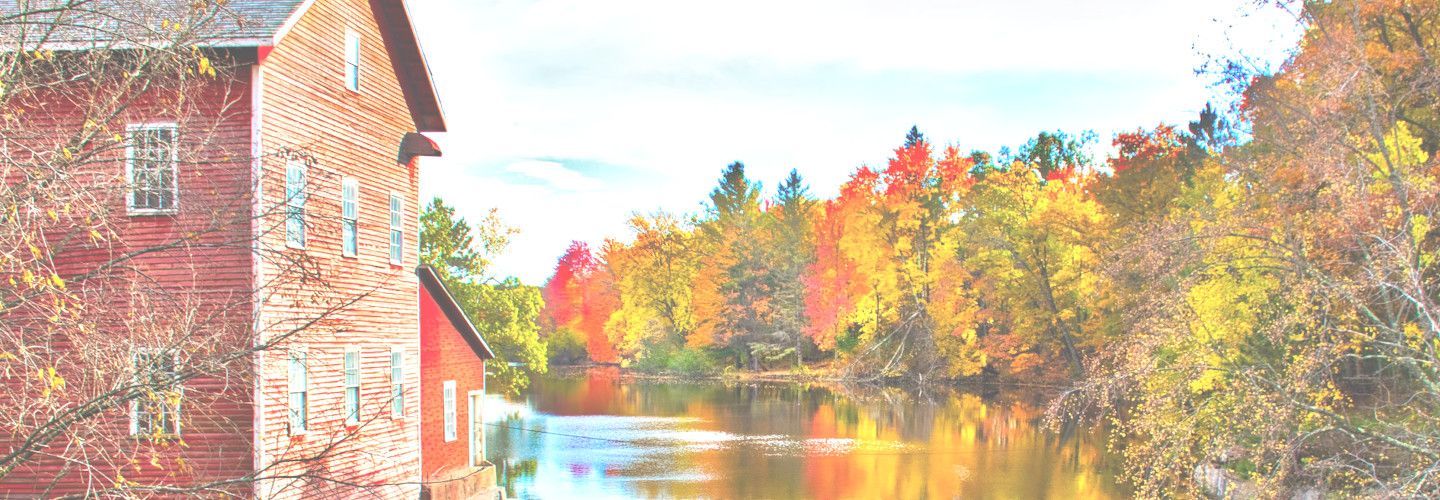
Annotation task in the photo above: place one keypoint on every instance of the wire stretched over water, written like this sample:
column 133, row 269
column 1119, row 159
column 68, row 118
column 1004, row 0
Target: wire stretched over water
column 538, row 431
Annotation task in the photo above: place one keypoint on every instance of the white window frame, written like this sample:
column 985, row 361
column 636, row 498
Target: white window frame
column 397, row 383
column 303, row 356
column 349, row 217
column 352, row 60
column 449, row 396
column 296, row 203
column 130, row 131
column 476, row 400
column 350, row 379
column 135, row 403
column 397, row 229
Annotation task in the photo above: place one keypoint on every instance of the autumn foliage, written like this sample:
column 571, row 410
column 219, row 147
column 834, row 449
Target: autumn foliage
column 580, row 297
column 1250, row 295
column 936, row 266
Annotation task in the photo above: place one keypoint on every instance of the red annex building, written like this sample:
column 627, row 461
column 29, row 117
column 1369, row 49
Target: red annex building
column 452, row 393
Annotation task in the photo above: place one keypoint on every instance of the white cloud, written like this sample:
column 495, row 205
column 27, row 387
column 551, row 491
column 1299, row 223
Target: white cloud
column 673, row 91
column 555, row 174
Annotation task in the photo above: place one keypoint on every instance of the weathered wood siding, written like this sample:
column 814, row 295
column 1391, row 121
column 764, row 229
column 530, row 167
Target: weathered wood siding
column 308, row 112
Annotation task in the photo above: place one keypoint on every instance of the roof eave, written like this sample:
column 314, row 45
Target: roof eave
column 290, row 22
column 437, row 122
column 223, row 43
column 422, row 97
column 461, row 321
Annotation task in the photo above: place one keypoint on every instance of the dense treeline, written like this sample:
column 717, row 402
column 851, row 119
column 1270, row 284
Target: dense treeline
column 943, row 264
column 1253, row 297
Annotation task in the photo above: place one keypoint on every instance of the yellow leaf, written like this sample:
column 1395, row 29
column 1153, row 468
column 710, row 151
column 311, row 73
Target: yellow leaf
column 1207, row 381
column 1419, row 228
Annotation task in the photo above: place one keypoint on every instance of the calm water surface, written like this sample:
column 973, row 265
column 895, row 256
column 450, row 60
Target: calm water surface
column 597, row 435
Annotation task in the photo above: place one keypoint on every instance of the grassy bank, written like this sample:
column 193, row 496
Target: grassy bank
column 820, row 373
column 817, row 373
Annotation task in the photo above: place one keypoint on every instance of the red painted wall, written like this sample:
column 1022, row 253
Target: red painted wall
column 444, row 355
column 211, row 282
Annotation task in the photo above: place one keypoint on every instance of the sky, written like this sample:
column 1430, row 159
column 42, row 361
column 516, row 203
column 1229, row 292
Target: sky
column 568, row 116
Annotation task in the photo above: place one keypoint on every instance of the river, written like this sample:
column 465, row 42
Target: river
column 598, row 434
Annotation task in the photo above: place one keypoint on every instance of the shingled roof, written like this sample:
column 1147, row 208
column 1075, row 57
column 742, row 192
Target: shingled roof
column 261, row 19
column 91, row 23
column 121, row 24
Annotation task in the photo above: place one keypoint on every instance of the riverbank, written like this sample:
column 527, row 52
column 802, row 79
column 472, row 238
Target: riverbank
column 809, row 374
column 820, row 373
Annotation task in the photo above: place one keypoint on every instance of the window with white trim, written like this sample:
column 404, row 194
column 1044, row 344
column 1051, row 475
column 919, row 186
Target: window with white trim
column 352, row 60
column 449, row 391
column 397, row 231
column 299, row 381
column 295, row 185
column 151, row 165
column 352, row 387
column 349, row 216
column 397, row 384
column 155, row 411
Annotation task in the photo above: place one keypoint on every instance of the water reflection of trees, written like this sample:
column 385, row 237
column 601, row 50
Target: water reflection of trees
column 510, row 473
column 855, row 441
column 507, row 436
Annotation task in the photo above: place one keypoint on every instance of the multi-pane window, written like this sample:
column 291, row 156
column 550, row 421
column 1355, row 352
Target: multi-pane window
column 299, row 403
column 397, row 384
column 449, row 388
column 151, row 164
column 295, row 181
column 352, row 387
column 155, row 411
column 352, row 61
column 477, row 431
column 349, row 216
column 397, row 231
